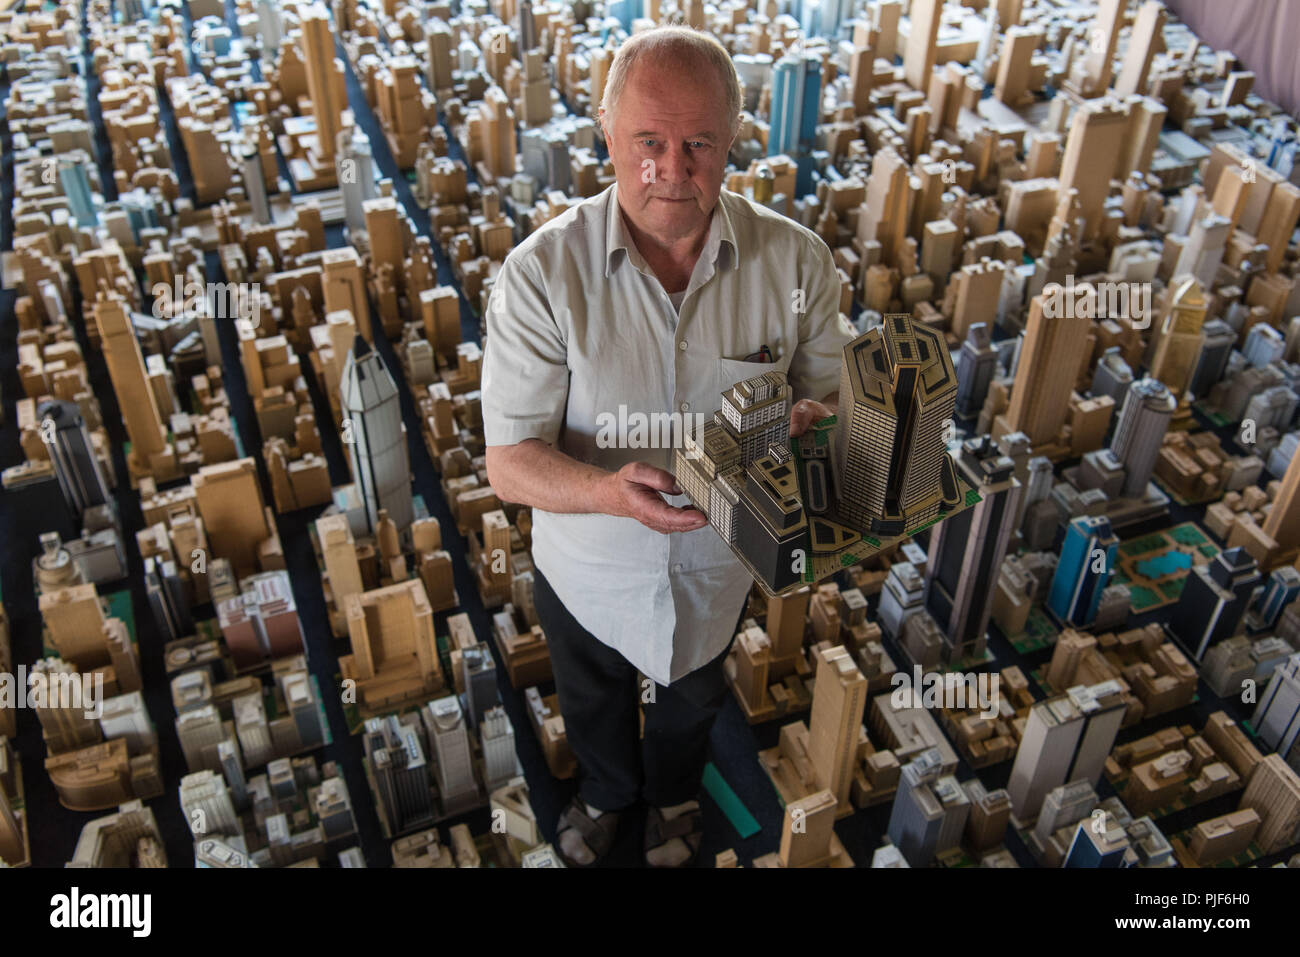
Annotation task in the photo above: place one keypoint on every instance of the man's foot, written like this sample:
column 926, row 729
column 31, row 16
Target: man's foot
column 673, row 834
column 585, row 834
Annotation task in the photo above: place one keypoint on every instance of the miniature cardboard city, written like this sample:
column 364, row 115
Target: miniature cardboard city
column 1030, row 597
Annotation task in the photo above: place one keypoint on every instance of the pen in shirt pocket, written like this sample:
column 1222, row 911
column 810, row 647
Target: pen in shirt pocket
column 764, row 354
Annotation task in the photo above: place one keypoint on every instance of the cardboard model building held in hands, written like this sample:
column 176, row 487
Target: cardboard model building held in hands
column 796, row 511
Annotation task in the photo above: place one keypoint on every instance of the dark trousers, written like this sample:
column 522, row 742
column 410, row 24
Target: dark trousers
column 600, row 693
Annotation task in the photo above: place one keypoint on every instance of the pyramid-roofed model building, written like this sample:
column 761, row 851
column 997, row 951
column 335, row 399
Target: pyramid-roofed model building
column 1187, row 307
column 373, row 430
column 798, row 510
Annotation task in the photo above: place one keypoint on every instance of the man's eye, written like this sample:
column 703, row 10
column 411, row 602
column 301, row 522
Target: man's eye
column 699, row 145
column 648, row 142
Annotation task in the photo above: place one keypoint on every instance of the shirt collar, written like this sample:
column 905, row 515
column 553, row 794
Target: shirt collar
column 721, row 232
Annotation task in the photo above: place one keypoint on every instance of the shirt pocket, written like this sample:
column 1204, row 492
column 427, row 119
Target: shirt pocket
column 731, row 371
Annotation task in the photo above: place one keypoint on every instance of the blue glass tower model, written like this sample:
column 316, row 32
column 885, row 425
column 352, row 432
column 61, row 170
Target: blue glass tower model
column 820, row 18
column 796, row 93
column 76, row 187
column 625, row 11
column 1087, row 561
column 1282, row 588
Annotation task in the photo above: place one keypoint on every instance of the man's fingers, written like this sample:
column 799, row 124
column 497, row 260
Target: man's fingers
column 684, row 519
column 657, row 514
column 804, row 413
column 677, row 519
column 644, row 483
column 644, row 473
column 799, row 420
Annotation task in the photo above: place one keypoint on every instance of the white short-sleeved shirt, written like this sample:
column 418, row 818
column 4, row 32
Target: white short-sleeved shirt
column 581, row 336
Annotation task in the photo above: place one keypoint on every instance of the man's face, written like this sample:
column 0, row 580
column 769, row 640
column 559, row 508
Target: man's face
column 669, row 141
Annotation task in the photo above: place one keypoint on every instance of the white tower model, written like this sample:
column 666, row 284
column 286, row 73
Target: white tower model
column 375, row 437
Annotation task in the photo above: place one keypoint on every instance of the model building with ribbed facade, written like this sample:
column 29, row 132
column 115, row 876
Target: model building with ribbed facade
column 797, row 510
column 756, row 413
column 897, row 389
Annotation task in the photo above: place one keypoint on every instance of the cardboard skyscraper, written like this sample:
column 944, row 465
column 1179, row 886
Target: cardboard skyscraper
column 798, row 510
column 376, row 437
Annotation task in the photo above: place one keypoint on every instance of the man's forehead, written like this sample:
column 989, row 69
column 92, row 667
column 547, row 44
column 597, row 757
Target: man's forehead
column 646, row 110
column 688, row 124
column 651, row 79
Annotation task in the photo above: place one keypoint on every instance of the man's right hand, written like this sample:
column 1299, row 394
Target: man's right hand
column 534, row 473
column 634, row 493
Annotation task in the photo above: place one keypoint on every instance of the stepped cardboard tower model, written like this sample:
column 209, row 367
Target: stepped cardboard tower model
column 796, row 511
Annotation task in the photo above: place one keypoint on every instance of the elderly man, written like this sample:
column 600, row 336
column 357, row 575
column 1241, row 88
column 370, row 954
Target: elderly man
column 650, row 298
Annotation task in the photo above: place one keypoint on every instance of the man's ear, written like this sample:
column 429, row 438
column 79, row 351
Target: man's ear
column 603, row 119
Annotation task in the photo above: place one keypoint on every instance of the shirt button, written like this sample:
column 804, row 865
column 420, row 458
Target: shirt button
column 682, row 345
column 686, row 407
column 677, row 568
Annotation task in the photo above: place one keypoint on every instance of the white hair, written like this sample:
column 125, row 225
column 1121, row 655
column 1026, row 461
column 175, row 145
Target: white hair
column 674, row 43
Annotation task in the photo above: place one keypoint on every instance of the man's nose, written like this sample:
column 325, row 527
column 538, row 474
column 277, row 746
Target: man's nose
column 675, row 165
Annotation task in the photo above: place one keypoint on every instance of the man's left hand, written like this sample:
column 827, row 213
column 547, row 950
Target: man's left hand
column 804, row 414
